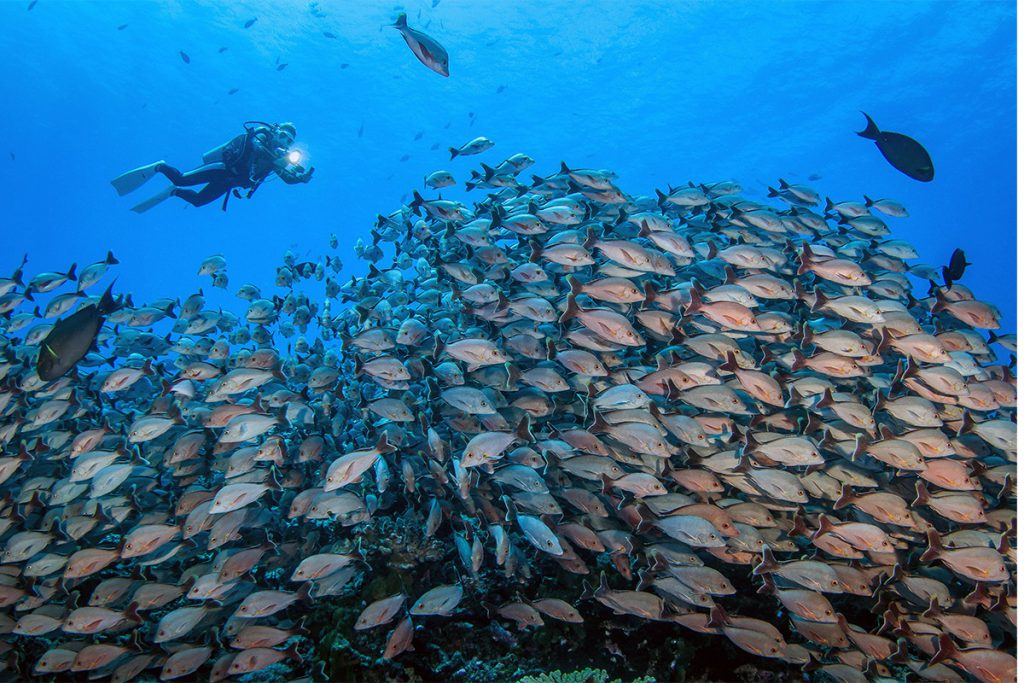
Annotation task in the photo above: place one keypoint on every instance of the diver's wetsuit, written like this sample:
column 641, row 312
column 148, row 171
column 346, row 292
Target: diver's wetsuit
column 245, row 163
column 218, row 178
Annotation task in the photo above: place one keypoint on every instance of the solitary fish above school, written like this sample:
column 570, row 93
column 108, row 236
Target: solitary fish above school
column 426, row 49
column 625, row 420
column 906, row 154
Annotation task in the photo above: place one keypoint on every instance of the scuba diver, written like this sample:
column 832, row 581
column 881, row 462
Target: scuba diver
column 244, row 162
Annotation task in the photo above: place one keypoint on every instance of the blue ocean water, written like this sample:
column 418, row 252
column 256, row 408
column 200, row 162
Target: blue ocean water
column 661, row 92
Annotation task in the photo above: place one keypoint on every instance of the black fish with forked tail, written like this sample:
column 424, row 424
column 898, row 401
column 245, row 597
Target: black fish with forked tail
column 955, row 270
column 906, row 154
column 72, row 337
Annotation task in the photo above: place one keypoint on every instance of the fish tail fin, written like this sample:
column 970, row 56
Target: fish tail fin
column 934, row 548
column 827, row 400
column 695, row 304
column 968, row 424
column 806, row 336
column 868, row 202
column 107, row 302
column 453, row 151
column 772, row 192
column 523, row 430
column 799, row 529
column 71, row 272
column 383, row 446
column 730, row 364
column 934, row 610
column 111, row 260
column 767, row 564
column 645, row 229
column 884, row 342
column 303, row 594
column 292, row 652
column 859, row 449
column 799, row 360
column 845, row 498
column 536, row 251
column 563, row 169
column 871, row 131
column 769, row 587
column 646, row 579
column 417, row 202
column 591, row 239
column 575, row 286
column 977, row 596
column 572, row 309
column 805, row 259
column 947, row 649
column 16, row 276
column 401, row 22
column 662, row 197
column 922, row 497
column 551, row 351
column 717, row 617
column 131, row 612
column 824, row 526
column 820, row 300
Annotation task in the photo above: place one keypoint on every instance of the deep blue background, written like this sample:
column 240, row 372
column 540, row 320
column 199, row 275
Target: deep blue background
column 661, row 92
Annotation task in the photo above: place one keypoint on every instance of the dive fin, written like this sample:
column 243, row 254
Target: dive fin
column 134, row 179
column 154, row 200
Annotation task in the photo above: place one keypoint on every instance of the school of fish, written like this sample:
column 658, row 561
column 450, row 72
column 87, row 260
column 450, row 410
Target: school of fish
column 672, row 401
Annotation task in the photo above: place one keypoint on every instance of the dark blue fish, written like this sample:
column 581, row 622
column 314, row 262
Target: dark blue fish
column 280, row 67
column 222, row 50
column 418, row 135
column 500, row 89
column 435, row 3
column 436, row 145
column 12, row 156
column 122, row 27
column 955, row 270
column 405, row 157
column 72, row 337
column 906, row 154
column 345, row 65
column 232, row 91
column 814, row 176
column 31, row 5
column 361, row 126
column 185, row 58
column 328, row 34
column 249, row 23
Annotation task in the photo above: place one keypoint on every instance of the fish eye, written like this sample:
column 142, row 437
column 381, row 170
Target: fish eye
column 835, row 583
